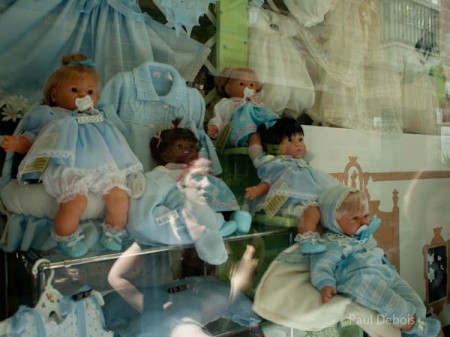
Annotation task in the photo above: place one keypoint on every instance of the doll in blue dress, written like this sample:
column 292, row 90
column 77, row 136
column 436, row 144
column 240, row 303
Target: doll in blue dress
column 73, row 149
column 289, row 186
column 238, row 106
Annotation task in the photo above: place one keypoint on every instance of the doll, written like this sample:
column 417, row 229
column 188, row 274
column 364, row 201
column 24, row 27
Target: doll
column 177, row 149
column 185, row 203
column 239, row 106
column 73, row 150
column 289, row 185
column 354, row 265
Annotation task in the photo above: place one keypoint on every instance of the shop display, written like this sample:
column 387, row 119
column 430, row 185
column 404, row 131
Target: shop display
column 190, row 212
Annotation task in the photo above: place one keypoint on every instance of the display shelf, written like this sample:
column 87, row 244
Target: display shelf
column 57, row 260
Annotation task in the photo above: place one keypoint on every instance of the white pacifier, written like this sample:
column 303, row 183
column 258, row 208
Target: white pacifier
column 248, row 92
column 84, row 104
column 361, row 229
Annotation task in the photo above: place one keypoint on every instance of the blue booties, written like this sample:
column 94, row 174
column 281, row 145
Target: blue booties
column 243, row 220
column 309, row 243
column 71, row 245
column 228, row 228
column 424, row 327
column 111, row 239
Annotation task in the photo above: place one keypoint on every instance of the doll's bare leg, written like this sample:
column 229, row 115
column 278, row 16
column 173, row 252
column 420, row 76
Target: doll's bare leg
column 307, row 230
column 66, row 231
column 69, row 214
column 310, row 220
column 117, row 204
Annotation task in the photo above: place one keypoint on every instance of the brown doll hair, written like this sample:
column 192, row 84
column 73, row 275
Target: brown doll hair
column 74, row 66
column 167, row 137
column 228, row 73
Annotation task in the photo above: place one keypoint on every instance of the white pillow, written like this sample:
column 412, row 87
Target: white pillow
column 31, row 199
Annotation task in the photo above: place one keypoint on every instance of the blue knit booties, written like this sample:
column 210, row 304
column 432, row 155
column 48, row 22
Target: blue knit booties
column 111, row 239
column 243, row 220
column 424, row 327
column 309, row 243
column 71, row 245
column 228, row 228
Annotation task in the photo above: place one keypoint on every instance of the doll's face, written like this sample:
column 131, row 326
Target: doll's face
column 293, row 146
column 350, row 222
column 181, row 152
column 241, row 80
column 68, row 90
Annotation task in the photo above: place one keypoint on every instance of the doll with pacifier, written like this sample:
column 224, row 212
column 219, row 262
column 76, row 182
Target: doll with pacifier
column 239, row 112
column 73, row 149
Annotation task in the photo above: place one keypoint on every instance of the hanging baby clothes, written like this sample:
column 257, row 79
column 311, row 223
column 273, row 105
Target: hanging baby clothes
column 147, row 100
column 309, row 12
column 359, row 87
column 182, row 13
column 280, row 63
column 115, row 34
column 82, row 318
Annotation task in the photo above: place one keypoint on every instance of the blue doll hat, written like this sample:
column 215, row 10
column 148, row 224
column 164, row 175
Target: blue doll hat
column 329, row 201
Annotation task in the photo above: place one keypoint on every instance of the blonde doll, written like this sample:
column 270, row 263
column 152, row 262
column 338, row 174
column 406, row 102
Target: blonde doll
column 73, row 150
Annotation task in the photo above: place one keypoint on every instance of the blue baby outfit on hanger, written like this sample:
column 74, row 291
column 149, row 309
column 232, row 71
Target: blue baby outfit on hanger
column 184, row 13
column 147, row 100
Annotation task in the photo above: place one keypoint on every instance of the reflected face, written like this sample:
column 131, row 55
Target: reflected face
column 181, row 152
column 293, row 146
column 67, row 90
column 351, row 222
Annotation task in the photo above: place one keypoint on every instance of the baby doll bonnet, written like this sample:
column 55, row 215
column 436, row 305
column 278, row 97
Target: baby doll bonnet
column 329, row 201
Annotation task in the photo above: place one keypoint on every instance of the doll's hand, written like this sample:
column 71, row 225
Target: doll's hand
column 327, row 293
column 16, row 144
column 212, row 131
column 255, row 191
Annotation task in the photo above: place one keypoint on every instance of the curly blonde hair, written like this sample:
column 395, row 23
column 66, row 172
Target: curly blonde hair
column 73, row 66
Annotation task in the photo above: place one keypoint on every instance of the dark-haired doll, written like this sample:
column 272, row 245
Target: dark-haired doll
column 183, row 202
column 239, row 106
column 289, row 185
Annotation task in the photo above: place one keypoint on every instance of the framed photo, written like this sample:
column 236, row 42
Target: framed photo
column 436, row 272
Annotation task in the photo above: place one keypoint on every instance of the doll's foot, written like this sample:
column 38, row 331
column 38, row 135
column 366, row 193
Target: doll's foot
column 71, row 245
column 243, row 220
column 310, row 243
column 312, row 247
column 111, row 239
column 228, row 228
column 424, row 327
column 136, row 183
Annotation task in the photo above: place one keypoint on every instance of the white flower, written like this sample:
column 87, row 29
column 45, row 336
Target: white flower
column 14, row 108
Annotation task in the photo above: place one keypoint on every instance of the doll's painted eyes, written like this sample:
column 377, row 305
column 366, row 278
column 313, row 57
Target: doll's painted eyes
column 74, row 90
column 90, row 92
